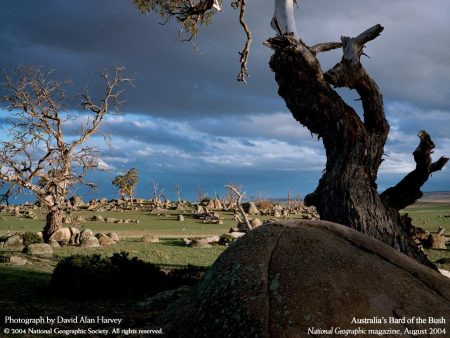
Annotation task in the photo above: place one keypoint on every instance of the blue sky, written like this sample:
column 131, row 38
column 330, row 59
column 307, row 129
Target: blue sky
column 188, row 121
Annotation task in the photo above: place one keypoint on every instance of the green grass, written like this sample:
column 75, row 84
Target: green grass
column 166, row 252
column 164, row 225
column 24, row 289
column 430, row 215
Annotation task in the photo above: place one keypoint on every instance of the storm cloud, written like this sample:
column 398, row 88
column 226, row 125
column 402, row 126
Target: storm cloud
column 188, row 120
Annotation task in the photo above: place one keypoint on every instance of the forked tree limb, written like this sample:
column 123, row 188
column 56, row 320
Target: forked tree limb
column 407, row 191
column 351, row 74
column 325, row 46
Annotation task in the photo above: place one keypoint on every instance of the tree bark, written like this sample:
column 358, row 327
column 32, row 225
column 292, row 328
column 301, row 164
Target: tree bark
column 54, row 222
column 347, row 192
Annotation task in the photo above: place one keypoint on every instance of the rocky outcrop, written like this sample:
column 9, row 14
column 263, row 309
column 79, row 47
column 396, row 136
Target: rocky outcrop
column 39, row 249
column 287, row 277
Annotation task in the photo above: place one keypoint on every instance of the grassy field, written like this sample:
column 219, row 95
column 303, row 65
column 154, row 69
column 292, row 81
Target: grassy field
column 24, row 289
column 162, row 225
column 430, row 215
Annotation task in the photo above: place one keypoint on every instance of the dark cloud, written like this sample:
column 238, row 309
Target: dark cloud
column 188, row 121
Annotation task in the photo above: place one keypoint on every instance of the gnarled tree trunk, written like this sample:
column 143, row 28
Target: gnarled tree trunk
column 347, row 192
column 53, row 222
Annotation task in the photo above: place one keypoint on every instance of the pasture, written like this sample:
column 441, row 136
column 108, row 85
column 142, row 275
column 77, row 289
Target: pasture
column 25, row 289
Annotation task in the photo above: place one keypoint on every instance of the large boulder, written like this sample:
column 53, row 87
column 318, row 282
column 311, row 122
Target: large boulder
column 90, row 242
column 76, row 201
column 13, row 241
column 85, row 233
column 18, row 260
column 39, row 249
column 62, row 235
column 115, row 237
column 250, row 208
column 105, row 240
column 283, row 279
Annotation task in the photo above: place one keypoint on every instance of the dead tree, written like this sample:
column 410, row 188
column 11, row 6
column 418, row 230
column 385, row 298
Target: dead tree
column 178, row 192
column 347, row 192
column 236, row 191
column 37, row 156
column 158, row 194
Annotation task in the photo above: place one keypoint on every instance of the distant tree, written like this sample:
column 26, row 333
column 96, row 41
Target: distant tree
column 201, row 194
column 158, row 193
column 347, row 192
column 37, row 155
column 127, row 184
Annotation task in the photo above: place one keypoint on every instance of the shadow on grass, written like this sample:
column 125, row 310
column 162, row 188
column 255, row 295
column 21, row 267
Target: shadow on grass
column 22, row 288
column 172, row 242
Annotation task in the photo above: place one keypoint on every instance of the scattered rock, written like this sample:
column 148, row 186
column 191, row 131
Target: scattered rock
column 150, row 239
column 90, row 242
column 86, row 233
column 180, row 218
column 14, row 241
column 39, row 249
column 105, row 240
column 210, row 204
column 76, row 201
column 17, row 260
column 115, row 237
column 200, row 243
column 61, row 235
column 237, row 234
column 218, row 204
column 213, row 239
column 255, row 222
column 98, row 218
column 252, row 209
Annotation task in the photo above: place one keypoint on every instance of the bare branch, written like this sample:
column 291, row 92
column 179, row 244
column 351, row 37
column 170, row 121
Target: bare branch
column 326, row 46
column 407, row 191
column 239, row 195
column 241, row 5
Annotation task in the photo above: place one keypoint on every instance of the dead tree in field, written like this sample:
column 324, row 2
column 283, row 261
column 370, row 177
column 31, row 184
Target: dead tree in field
column 235, row 190
column 37, row 155
column 347, row 192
